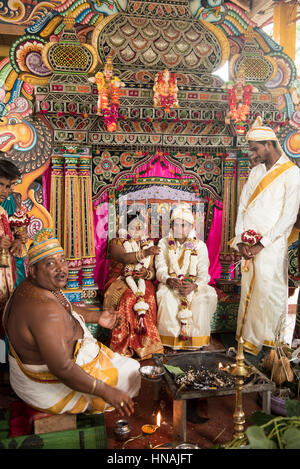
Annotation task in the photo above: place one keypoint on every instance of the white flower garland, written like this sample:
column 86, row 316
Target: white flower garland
column 137, row 287
column 188, row 269
column 189, row 265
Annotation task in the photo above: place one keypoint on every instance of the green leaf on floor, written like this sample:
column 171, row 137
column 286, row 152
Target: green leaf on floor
column 258, row 439
column 291, row 438
column 174, row 370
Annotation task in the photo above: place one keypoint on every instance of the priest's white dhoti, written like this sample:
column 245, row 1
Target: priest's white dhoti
column 36, row 386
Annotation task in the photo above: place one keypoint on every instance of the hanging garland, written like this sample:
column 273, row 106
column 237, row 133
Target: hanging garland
column 138, row 287
column 187, row 272
column 240, row 111
column 239, row 99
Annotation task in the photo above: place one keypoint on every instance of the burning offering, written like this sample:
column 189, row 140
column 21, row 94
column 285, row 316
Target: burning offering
column 201, row 378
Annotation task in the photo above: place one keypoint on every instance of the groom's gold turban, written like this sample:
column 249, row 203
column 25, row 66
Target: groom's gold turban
column 183, row 212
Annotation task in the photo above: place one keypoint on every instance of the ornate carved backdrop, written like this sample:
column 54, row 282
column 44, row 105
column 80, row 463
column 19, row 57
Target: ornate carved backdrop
column 153, row 186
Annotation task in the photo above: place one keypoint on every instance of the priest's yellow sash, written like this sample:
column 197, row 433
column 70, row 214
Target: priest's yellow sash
column 268, row 179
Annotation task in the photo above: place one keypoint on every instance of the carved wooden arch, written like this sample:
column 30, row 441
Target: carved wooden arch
column 185, row 181
column 131, row 174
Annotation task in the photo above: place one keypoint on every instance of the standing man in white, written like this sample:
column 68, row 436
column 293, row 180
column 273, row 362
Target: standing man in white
column 268, row 207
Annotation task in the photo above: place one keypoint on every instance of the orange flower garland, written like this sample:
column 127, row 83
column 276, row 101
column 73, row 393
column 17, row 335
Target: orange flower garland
column 239, row 98
column 239, row 112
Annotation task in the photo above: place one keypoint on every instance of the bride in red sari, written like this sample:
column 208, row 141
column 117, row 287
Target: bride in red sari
column 129, row 289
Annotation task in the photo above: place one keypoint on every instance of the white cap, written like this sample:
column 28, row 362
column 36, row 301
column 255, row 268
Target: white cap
column 260, row 132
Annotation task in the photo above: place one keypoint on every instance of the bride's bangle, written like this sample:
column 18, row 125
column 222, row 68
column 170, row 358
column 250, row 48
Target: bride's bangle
column 94, row 386
column 149, row 275
column 139, row 255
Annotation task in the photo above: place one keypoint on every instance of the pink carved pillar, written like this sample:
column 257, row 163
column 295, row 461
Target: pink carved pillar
column 229, row 215
column 87, row 229
column 72, row 226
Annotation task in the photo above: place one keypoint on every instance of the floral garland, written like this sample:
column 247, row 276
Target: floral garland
column 239, row 113
column 19, row 219
column 188, row 272
column 137, row 287
column 110, row 114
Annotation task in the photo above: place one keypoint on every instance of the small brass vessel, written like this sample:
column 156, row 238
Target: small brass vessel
column 4, row 258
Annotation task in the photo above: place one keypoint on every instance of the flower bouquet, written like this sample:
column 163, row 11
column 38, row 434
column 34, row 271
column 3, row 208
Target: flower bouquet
column 249, row 237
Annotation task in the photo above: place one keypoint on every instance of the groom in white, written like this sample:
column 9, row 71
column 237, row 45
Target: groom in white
column 185, row 301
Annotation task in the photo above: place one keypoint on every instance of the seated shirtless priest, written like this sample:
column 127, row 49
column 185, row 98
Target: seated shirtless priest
column 185, row 301
column 56, row 365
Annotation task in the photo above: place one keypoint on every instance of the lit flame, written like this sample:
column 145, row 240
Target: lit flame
column 220, row 365
column 158, row 418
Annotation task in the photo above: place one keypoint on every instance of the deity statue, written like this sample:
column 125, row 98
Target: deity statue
column 108, row 87
column 239, row 97
column 165, row 90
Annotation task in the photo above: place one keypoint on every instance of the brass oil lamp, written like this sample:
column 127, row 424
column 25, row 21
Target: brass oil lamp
column 241, row 371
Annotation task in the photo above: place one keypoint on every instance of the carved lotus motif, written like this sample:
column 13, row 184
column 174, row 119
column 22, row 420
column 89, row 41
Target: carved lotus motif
column 148, row 42
column 139, row 42
column 150, row 55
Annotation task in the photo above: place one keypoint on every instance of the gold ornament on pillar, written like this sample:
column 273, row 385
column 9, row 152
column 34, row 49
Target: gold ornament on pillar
column 69, row 54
